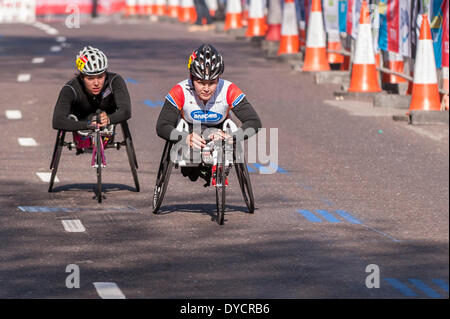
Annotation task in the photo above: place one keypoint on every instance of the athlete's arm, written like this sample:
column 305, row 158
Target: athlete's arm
column 122, row 99
column 245, row 112
column 167, row 121
column 63, row 109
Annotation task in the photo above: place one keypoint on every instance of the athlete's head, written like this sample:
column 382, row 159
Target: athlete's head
column 92, row 64
column 205, row 66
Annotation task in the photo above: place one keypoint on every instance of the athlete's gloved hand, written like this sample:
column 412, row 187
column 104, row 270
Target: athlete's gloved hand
column 195, row 141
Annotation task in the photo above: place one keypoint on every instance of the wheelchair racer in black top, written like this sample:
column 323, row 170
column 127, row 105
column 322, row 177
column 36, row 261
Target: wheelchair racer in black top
column 205, row 99
column 94, row 88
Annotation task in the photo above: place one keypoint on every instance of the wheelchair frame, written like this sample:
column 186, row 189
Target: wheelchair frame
column 240, row 165
column 99, row 156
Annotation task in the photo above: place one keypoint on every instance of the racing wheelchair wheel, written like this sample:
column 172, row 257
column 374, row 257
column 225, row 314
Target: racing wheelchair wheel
column 162, row 180
column 59, row 144
column 244, row 181
column 98, row 162
column 131, row 154
column 220, row 177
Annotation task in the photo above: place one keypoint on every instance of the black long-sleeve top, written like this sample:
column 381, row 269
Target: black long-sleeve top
column 114, row 99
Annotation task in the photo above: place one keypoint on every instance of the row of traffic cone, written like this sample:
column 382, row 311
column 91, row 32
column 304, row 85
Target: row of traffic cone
column 364, row 75
column 281, row 25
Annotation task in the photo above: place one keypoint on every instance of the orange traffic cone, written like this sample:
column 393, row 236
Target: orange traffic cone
column 160, row 8
column 233, row 15
column 131, row 8
column 140, row 7
column 393, row 61
column 257, row 26
column 425, row 92
column 334, row 43
column 364, row 76
column 149, row 7
column 274, row 19
column 212, row 7
column 173, row 8
column 187, row 11
column 316, row 51
column 289, row 41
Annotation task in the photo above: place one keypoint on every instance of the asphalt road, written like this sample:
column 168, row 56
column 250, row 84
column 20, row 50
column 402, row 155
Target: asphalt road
column 351, row 190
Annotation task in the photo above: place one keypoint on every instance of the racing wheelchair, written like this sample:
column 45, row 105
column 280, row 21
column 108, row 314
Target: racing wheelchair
column 217, row 158
column 95, row 140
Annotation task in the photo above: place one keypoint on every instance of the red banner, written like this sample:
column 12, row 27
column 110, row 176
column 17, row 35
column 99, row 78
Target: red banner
column 445, row 54
column 393, row 25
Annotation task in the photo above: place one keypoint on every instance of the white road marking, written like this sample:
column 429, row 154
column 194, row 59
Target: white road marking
column 55, row 48
column 27, row 141
column 38, row 60
column 108, row 290
column 73, row 226
column 45, row 177
column 13, row 114
column 51, row 31
column 23, row 77
column 61, row 39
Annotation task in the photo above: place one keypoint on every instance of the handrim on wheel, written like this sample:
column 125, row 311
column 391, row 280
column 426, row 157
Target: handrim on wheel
column 244, row 182
column 162, row 180
column 99, row 162
column 220, row 186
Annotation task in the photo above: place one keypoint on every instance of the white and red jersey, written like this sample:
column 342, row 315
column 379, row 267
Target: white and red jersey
column 215, row 111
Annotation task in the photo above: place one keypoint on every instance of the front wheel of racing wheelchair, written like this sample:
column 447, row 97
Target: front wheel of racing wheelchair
column 220, row 174
column 98, row 159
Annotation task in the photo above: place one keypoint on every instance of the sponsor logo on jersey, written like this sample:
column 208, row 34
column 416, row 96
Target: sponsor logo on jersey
column 205, row 117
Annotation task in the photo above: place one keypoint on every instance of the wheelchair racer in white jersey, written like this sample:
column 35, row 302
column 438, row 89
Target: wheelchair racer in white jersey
column 206, row 99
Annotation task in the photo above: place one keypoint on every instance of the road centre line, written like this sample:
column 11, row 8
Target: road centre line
column 108, row 290
column 23, row 77
column 38, row 60
column 13, row 114
column 73, row 226
column 45, row 177
column 27, row 141
column 55, row 48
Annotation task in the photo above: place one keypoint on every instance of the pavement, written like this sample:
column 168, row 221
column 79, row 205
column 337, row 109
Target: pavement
column 352, row 187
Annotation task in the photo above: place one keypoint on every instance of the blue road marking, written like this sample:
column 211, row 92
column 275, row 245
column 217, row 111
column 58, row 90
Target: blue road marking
column 250, row 168
column 153, row 103
column 401, row 287
column 44, row 209
column 330, row 218
column 441, row 283
column 41, row 209
column 309, row 216
column 348, row 217
column 267, row 170
column 427, row 290
column 132, row 81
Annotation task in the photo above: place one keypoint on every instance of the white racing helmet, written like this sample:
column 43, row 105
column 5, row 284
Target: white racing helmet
column 91, row 61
